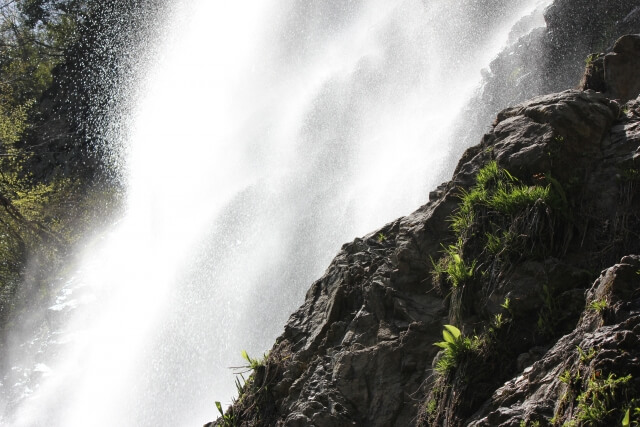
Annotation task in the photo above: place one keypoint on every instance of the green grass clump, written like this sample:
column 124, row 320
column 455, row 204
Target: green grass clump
column 512, row 199
column 454, row 266
column 598, row 305
column 497, row 190
column 253, row 363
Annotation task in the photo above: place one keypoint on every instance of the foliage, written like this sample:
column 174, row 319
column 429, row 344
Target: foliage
column 243, row 386
column 254, row 363
column 598, row 305
column 226, row 419
column 255, row 404
column 586, row 357
column 495, row 243
column 40, row 217
column 631, row 416
column 497, row 190
column 597, row 402
column 456, row 347
column 499, row 321
column 511, row 199
column 566, row 377
column 454, row 266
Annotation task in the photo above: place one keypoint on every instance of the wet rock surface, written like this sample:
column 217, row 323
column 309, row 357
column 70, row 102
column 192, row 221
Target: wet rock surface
column 621, row 68
column 548, row 59
column 360, row 350
column 605, row 343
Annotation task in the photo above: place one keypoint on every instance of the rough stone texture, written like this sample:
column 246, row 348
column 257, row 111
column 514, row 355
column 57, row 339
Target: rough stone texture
column 360, row 349
column 615, row 73
column 622, row 80
column 536, row 394
column 547, row 59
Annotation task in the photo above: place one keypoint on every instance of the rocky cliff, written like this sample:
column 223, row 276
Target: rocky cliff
column 511, row 298
column 546, row 60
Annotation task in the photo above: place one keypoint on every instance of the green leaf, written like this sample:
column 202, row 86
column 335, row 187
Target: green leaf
column 626, row 420
column 453, row 331
column 448, row 337
column 219, row 406
column 245, row 356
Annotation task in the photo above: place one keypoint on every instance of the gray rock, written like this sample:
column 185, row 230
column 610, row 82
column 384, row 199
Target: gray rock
column 537, row 393
column 360, row 351
column 621, row 66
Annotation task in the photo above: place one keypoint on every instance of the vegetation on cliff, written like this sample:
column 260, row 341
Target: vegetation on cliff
column 504, row 263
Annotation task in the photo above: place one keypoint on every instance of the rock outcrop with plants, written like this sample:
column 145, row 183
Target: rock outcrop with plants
column 512, row 298
column 547, row 59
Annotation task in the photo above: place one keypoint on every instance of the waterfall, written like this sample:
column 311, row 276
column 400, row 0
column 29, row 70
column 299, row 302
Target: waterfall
column 267, row 134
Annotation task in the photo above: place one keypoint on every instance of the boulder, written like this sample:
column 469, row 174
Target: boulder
column 621, row 76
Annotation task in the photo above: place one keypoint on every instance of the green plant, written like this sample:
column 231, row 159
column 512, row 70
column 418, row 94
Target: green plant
column 228, row 419
column 627, row 420
column 453, row 265
column 566, row 377
column 499, row 191
column 596, row 403
column 498, row 321
column 590, row 58
column 381, row 237
column 511, row 199
column 584, row 356
column 458, row 270
column 431, row 407
column 598, row 305
column 253, row 363
column 455, row 347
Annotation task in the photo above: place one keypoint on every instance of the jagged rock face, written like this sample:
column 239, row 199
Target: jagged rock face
column 360, row 351
column 372, row 317
column 548, row 59
column 580, row 139
column 579, row 27
column 609, row 345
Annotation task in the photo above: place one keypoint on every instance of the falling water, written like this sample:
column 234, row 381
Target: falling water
column 268, row 134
